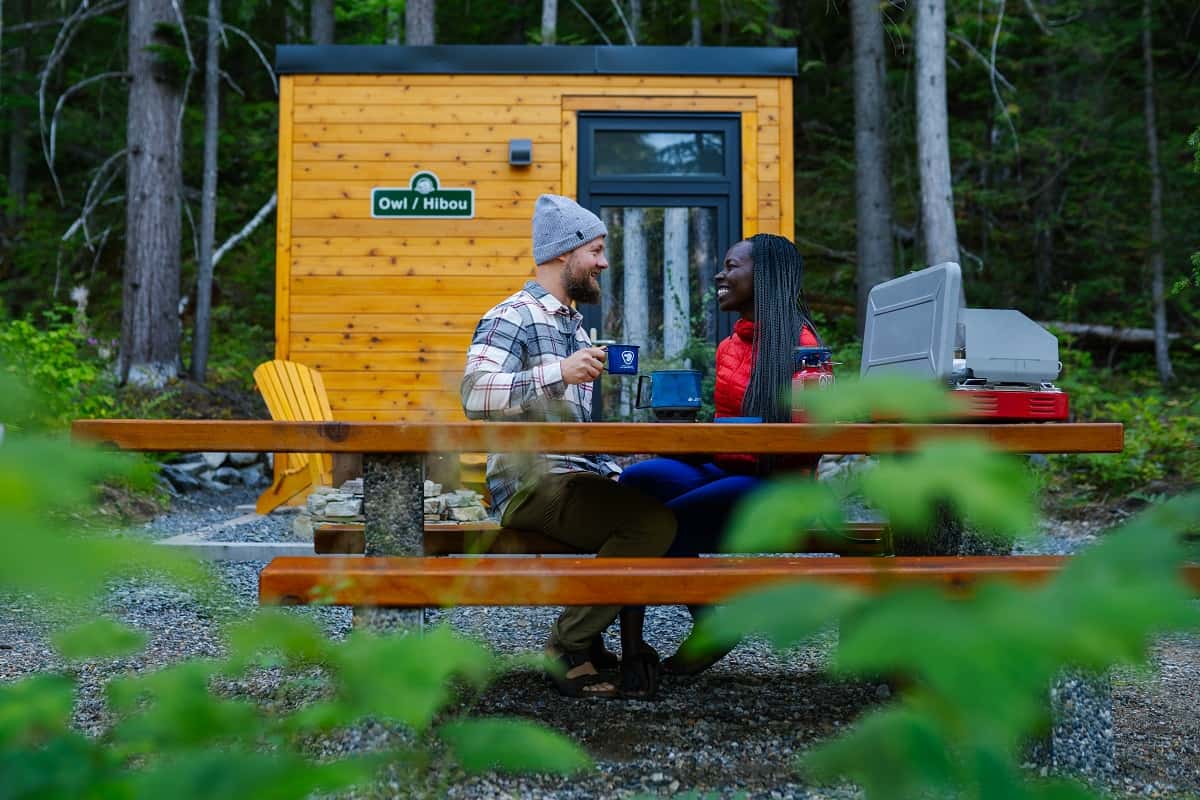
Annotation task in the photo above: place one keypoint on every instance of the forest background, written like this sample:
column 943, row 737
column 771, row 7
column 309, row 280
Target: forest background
column 1066, row 121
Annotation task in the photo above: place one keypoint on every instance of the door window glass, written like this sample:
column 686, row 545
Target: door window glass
column 658, row 294
column 624, row 152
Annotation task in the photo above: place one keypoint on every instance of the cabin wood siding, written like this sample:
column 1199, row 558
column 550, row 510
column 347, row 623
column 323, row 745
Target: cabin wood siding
column 384, row 308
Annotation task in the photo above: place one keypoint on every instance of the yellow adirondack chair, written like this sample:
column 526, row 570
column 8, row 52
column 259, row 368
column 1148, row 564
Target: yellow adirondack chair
column 294, row 392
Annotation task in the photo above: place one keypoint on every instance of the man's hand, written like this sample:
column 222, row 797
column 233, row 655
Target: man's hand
column 583, row 366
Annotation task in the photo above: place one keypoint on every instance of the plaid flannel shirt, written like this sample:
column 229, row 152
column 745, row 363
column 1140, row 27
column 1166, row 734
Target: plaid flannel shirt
column 514, row 373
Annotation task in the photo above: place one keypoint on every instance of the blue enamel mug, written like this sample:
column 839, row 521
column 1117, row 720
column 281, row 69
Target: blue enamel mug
column 670, row 393
column 622, row 359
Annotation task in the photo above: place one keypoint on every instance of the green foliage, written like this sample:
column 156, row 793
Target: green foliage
column 71, row 371
column 976, row 668
column 1161, row 428
column 181, row 730
column 511, row 745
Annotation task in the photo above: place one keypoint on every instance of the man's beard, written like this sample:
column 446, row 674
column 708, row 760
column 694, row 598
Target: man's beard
column 579, row 285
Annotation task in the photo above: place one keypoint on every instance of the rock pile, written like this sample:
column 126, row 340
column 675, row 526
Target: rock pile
column 460, row 505
column 344, row 506
column 328, row 505
column 217, row 471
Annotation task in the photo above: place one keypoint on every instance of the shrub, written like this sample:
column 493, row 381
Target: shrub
column 70, row 370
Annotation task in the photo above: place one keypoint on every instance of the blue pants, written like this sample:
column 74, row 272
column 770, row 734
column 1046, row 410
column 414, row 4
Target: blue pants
column 702, row 498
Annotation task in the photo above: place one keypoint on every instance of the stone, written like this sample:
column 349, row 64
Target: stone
column 316, row 503
column 432, row 489
column 468, row 514
column 324, row 490
column 302, row 527
column 270, row 461
column 434, row 506
column 343, row 508
column 253, row 475
column 182, row 481
column 352, row 486
column 229, row 475
column 243, row 459
column 214, row 460
column 215, row 485
column 190, row 467
column 462, row 498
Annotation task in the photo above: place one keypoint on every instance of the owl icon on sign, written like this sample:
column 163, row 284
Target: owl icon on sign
column 424, row 185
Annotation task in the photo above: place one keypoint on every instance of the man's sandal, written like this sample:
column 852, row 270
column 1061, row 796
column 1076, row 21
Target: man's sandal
column 574, row 675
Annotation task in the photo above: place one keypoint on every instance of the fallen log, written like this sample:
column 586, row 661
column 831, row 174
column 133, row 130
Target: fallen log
column 1108, row 332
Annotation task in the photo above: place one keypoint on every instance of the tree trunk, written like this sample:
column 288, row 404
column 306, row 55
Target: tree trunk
column 293, row 21
column 933, row 145
column 1162, row 358
column 704, row 248
column 149, row 312
column 697, row 35
column 393, row 23
column 418, row 22
column 322, row 21
column 635, row 293
column 549, row 21
column 873, row 197
column 610, row 315
column 18, row 147
column 208, row 192
column 677, row 305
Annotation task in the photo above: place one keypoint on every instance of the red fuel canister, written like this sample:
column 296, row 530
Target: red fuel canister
column 812, row 368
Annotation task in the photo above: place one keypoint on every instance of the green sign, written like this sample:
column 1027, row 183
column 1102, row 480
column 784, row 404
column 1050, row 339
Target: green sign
column 423, row 199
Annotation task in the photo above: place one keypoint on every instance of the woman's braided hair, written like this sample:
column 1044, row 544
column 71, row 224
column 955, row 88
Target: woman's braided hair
column 781, row 313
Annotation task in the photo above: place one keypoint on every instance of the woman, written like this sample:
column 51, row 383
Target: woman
column 761, row 281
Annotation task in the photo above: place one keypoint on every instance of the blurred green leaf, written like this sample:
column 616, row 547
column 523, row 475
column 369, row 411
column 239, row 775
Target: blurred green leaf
column 896, row 753
column 512, row 745
column 406, row 678
column 787, row 615
column 99, row 638
column 883, row 398
column 35, row 708
column 990, row 489
column 777, row 517
column 274, row 631
column 216, row 775
column 175, row 711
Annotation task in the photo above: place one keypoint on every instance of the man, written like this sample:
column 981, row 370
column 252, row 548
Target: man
column 531, row 360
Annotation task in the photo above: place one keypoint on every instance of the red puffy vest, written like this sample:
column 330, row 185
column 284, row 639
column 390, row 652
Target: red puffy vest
column 735, row 357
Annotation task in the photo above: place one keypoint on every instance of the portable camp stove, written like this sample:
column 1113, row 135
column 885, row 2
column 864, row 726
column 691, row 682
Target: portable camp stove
column 999, row 362
column 1012, row 402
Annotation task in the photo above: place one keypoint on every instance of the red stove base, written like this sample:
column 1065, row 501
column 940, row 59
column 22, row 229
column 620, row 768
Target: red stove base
column 1014, row 405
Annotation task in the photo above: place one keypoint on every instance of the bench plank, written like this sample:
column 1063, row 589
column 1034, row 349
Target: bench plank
column 425, row 582
column 616, row 438
column 861, row 538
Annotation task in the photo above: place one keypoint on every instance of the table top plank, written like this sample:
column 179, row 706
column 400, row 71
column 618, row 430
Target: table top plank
column 614, row 438
column 626, row 581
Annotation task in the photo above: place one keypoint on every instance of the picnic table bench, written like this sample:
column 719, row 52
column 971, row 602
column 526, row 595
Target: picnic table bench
column 394, row 524
column 399, row 573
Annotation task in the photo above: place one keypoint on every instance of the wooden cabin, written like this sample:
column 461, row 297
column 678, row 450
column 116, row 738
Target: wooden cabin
column 407, row 181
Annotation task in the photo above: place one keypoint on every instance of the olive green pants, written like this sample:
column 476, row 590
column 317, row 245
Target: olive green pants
column 597, row 515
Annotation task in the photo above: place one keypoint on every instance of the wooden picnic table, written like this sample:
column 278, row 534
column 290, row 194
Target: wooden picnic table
column 393, row 452
column 393, row 463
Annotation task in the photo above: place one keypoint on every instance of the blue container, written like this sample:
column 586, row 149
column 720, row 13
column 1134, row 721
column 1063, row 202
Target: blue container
column 673, row 391
column 622, row 359
column 736, row 420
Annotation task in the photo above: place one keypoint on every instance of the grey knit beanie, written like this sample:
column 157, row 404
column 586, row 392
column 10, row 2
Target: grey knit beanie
column 560, row 225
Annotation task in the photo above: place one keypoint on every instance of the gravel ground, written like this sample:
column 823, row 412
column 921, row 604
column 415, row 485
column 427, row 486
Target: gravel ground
column 736, row 728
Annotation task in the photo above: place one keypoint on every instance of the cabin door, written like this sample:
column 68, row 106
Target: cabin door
column 668, row 186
